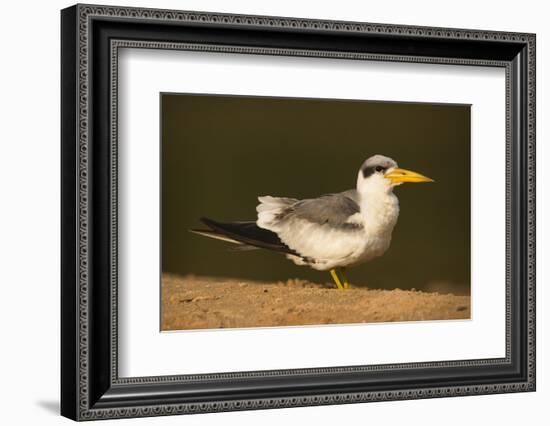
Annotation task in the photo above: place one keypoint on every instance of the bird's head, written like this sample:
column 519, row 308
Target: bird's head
column 381, row 173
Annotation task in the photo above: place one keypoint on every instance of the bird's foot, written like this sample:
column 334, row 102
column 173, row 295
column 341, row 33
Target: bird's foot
column 345, row 282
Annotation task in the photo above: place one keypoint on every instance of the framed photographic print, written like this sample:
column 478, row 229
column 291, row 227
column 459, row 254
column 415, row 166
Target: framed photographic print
column 263, row 212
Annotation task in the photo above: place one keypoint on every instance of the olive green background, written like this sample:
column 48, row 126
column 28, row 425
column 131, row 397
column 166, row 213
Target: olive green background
column 219, row 153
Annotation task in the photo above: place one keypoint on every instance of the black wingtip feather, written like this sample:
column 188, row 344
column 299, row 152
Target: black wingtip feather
column 208, row 222
column 249, row 233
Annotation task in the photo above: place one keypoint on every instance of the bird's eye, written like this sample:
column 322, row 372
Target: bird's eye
column 379, row 168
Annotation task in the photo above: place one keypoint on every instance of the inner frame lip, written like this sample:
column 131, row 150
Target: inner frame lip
column 130, row 44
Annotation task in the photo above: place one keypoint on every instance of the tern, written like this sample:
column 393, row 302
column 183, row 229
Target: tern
column 328, row 233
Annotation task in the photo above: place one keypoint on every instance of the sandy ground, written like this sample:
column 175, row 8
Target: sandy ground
column 194, row 302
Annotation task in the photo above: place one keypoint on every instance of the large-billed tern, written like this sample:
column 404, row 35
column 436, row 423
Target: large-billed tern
column 331, row 232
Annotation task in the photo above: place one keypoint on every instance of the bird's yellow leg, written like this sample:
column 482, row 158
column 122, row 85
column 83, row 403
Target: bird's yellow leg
column 336, row 279
column 344, row 278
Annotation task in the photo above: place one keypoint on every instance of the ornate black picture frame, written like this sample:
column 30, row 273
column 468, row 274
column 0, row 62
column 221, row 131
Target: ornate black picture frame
column 91, row 37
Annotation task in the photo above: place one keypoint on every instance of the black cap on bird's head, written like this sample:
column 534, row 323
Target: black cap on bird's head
column 384, row 169
column 377, row 164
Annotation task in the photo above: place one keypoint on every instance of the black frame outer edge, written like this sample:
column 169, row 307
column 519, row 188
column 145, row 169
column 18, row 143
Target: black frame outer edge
column 69, row 314
column 105, row 395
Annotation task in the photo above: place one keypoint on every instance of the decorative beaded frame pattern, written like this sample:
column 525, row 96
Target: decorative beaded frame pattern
column 86, row 13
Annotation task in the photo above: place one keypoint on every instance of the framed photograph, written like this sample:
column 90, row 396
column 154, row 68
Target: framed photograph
column 263, row 212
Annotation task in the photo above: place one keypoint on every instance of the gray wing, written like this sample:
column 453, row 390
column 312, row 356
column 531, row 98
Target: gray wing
column 331, row 209
column 352, row 194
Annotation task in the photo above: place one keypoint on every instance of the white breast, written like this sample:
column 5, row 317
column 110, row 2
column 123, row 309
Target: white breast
column 379, row 216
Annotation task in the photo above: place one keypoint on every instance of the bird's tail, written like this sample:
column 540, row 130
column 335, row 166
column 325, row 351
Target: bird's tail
column 246, row 235
column 238, row 246
column 215, row 235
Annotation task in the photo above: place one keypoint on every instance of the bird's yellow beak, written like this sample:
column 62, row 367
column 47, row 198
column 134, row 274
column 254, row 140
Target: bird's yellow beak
column 398, row 176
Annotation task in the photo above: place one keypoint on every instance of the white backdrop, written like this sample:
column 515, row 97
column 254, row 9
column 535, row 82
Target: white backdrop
column 146, row 352
column 29, row 225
